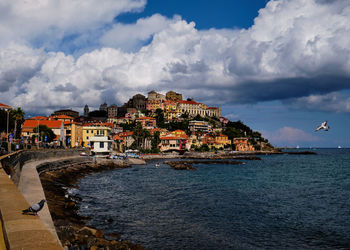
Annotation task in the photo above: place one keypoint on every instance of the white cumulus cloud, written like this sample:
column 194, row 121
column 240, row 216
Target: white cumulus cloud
column 296, row 50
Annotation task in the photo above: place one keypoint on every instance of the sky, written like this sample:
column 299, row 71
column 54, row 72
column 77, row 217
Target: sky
column 280, row 66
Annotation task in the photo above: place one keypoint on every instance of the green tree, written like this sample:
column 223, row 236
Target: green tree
column 159, row 115
column 18, row 116
column 140, row 136
column 155, row 140
column 43, row 131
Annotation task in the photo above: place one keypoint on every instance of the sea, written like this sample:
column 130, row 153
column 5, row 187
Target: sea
column 278, row 202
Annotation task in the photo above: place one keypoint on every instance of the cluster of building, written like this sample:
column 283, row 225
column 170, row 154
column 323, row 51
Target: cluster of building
column 171, row 104
column 102, row 130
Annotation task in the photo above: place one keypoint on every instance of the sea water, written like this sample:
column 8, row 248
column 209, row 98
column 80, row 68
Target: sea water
column 280, row 202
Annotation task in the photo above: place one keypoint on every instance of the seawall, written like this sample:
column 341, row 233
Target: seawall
column 20, row 187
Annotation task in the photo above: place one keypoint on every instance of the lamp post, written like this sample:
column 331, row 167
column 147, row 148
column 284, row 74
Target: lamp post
column 7, row 131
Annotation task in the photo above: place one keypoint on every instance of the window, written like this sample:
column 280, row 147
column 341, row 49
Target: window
column 87, row 137
column 102, row 144
column 87, row 131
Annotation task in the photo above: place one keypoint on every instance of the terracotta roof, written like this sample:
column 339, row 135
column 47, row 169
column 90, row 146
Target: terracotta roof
column 117, row 137
column 4, row 106
column 38, row 118
column 212, row 108
column 125, row 134
column 49, row 123
column 188, row 102
column 171, row 138
column 61, row 117
column 107, row 124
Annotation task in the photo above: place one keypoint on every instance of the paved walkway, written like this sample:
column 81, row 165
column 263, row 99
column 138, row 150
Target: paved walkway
column 22, row 231
column 30, row 187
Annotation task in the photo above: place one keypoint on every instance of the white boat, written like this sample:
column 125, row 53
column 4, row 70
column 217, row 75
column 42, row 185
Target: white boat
column 339, row 146
column 157, row 165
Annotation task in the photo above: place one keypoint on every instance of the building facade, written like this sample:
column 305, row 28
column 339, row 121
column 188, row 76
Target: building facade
column 202, row 126
column 173, row 96
column 147, row 122
column 67, row 112
column 242, row 144
column 100, row 144
column 93, row 130
column 112, row 111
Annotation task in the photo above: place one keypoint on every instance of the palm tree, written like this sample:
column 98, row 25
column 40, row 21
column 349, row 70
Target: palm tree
column 17, row 115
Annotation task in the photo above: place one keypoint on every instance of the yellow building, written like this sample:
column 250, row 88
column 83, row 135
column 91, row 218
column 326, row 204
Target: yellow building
column 193, row 109
column 170, row 115
column 179, row 133
column 74, row 134
column 94, row 130
column 170, row 106
column 242, row 144
column 221, row 141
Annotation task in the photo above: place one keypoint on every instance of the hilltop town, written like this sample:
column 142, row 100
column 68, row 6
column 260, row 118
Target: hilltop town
column 153, row 124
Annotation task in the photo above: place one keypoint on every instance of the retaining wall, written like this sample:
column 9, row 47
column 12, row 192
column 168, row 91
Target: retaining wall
column 24, row 231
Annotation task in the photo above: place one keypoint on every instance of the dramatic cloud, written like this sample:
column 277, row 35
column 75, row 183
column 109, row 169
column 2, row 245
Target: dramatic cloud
column 290, row 137
column 333, row 102
column 295, row 51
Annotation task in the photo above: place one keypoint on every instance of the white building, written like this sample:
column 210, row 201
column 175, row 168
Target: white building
column 100, row 144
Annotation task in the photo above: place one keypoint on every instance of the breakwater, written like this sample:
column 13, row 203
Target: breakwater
column 58, row 170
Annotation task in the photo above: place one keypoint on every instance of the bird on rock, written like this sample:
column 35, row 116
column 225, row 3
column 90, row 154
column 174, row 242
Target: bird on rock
column 35, row 208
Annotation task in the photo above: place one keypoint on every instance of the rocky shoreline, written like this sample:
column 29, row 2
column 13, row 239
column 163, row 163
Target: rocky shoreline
column 71, row 228
column 187, row 165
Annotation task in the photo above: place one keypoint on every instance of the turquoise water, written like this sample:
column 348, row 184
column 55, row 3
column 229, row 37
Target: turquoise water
column 280, row 202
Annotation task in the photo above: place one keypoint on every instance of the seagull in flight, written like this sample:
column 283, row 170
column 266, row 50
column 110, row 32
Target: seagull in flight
column 34, row 208
column 323, row 126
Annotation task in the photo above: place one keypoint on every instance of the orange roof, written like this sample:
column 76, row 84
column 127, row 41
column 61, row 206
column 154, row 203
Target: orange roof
column 221, row 135
column 188, row 102
column 61, row 117
column 4, row 106
column 125, row 134
column 49, row 123
column 117, row 137
column 172, row 138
